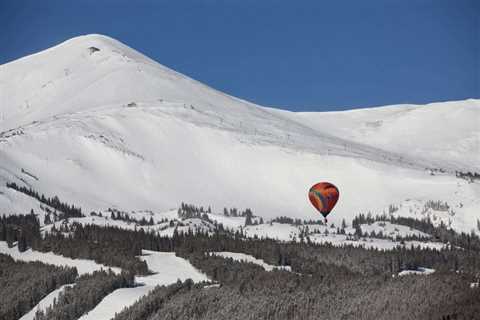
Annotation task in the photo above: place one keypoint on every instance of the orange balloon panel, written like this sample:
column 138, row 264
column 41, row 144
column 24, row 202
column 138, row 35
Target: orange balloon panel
column 323, row 196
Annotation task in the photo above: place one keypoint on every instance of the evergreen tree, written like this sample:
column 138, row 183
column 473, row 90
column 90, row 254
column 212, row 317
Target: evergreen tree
column 248, row 218
column 22, row 242
column 47, row 219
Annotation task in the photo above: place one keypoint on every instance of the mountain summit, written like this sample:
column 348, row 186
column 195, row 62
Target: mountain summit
column 101, row 125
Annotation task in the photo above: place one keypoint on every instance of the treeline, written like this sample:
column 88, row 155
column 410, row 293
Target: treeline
column 23, row 229
column 124, row 216
column 154, row 301
column 189, row 211
column 297, row 222
column 67, row 210
column 442, row 233
column 118, row 247
column 23, row 285
column 88, row 291
column 469, row 176
column 234, row 212
column 305, row 257
column 111, row 246
column 347, row 277
column 246, row 291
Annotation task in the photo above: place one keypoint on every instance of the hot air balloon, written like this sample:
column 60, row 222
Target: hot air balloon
column 323, row 197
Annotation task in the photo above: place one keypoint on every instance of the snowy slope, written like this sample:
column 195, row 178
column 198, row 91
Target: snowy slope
column 112, row 128
column 391, row 230
column 448, row 132
column 242, row 257
column 83, row 266
column 421, row 271
column 168, row 269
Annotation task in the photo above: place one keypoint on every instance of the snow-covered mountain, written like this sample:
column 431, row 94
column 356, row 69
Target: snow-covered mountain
column 101, row 125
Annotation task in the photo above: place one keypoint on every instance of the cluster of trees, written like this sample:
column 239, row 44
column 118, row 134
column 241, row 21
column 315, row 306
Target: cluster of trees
column 23, row 229
column 23, row 285
column 250, row 218
column 88, row 291
column 297, row 222
column 440, row 233
column 469, row 176
column 288, row 220
column 118, row 247
column 67, row 210
column 356, row 282
column 189, row 211
column 110, row 246
column 437, row 205
column 246, row 291
column 247, row 213
column 154, row 301
column 124, row 216
column 234, row 212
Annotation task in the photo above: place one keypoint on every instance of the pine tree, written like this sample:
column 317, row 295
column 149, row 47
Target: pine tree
column 47, row 219
column 3, row 232
column 22, row 243
column 248, row 218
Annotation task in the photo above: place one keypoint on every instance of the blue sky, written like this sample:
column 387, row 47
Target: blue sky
column 297, row 55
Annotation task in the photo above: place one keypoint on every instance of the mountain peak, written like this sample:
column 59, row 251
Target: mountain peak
column 89, row 72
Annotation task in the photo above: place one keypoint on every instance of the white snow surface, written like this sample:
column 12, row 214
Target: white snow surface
column 392, row 230
column 421, row 271
column 242, row 257
column 325, row 234
column 45, row 302
column 168, row 269
column 83, row 266
column 112, row 128
column 447, row 131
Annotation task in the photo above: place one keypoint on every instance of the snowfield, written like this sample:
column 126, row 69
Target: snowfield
column 83, row 266
column 242, row 257
column 375, row 243
column 392, row 230
column 421, row 271
column 168, row 269
column 125, row 132
column 325, row 234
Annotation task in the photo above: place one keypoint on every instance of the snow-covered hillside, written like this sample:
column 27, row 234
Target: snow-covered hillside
column 168, row 269
column 83, row 266
column 100, row 125
column 447, row 132
column 242, row 257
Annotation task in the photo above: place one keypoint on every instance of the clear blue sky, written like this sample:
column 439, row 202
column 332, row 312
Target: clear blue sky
column 298, row 55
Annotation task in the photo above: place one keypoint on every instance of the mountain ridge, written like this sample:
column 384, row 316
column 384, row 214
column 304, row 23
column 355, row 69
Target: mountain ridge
column 127, row 132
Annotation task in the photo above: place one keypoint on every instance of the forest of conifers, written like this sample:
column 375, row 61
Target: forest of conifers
column 326, row 282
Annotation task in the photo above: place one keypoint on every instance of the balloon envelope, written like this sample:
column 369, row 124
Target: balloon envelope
column 323, row 196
